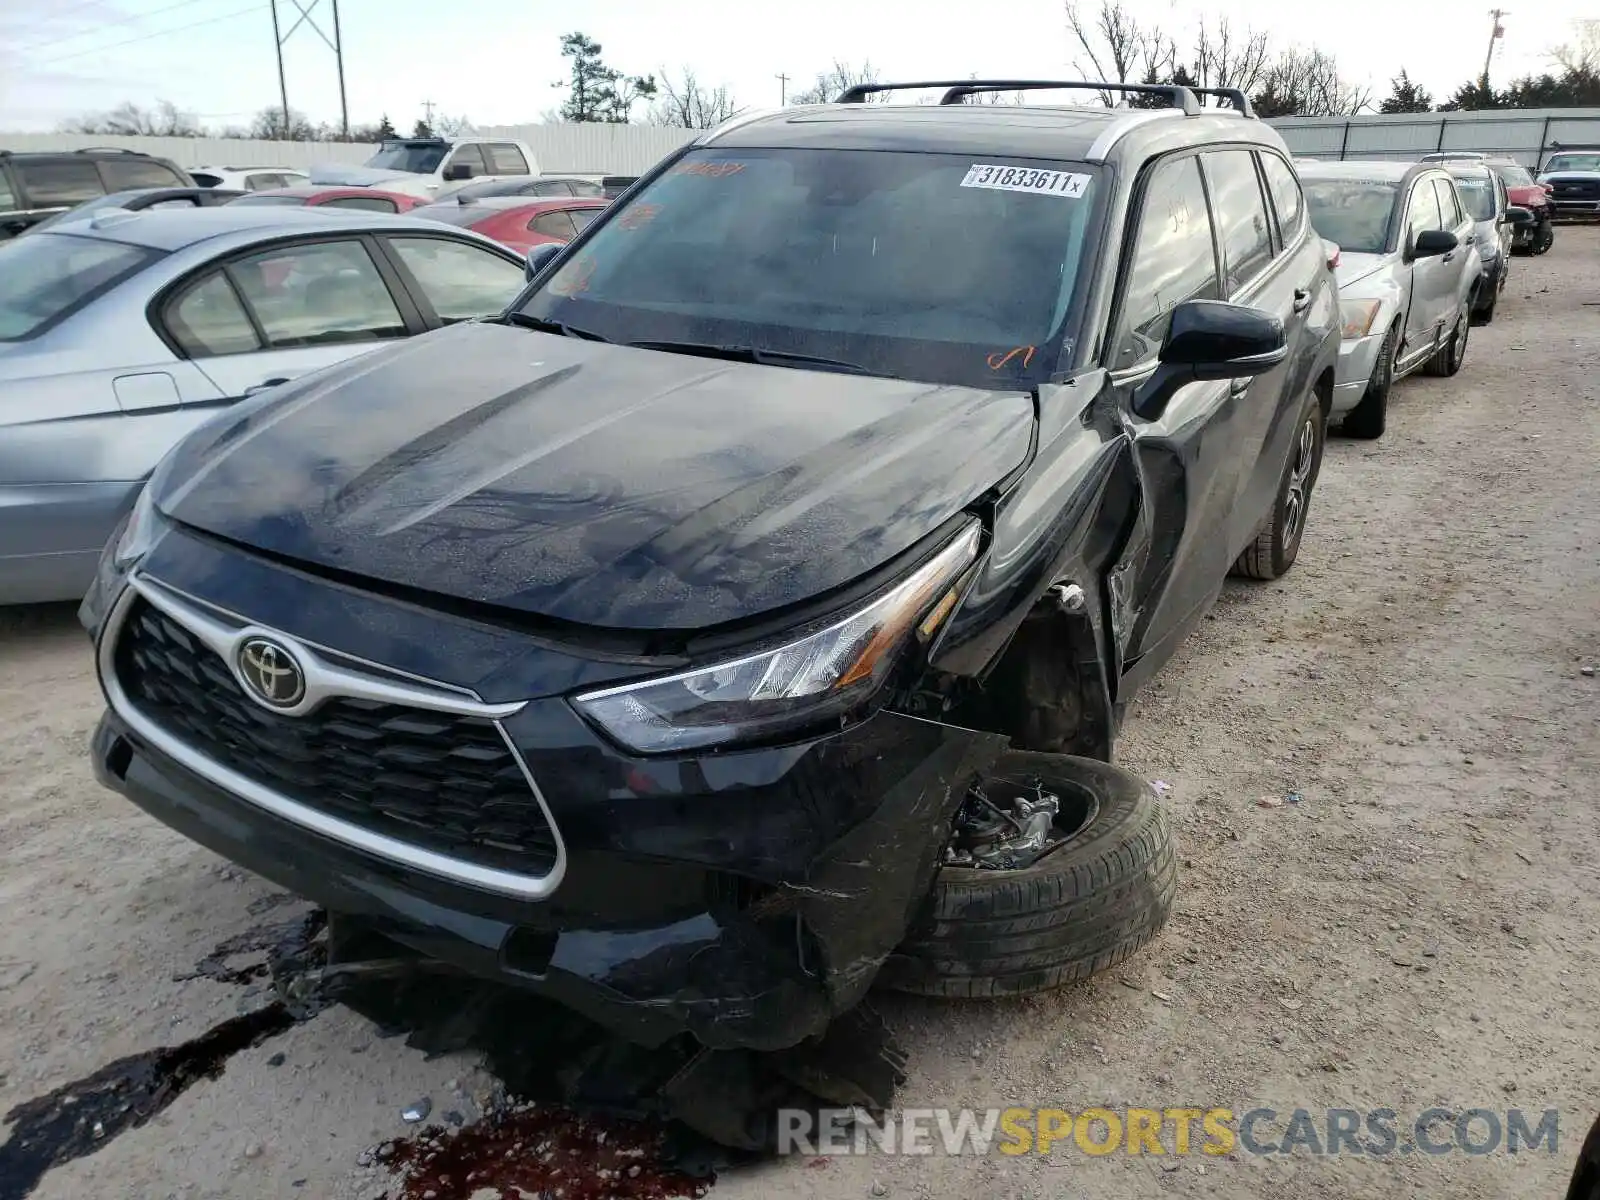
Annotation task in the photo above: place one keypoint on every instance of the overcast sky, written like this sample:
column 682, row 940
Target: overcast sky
column 495, row 60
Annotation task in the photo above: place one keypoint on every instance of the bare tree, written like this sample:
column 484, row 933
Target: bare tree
column 685, row 104
column 269, row 125
column 1115, row 46
column 129, row 120
column 1224, row 58
column 448, row 126
column 1308, row 83
column 1582, row 54
column 840, row 78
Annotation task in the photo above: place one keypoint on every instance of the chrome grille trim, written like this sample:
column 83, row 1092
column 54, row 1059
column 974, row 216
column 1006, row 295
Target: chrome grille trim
column 332, row 681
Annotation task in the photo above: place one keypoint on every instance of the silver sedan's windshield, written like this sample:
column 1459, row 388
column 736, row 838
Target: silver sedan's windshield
column 1353, row 213
column 45, row 277
column 924, row 266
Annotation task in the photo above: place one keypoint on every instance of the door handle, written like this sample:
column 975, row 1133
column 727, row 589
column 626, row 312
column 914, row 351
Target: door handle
column 1448, row 257
column 265, row 384
column 1302, row 299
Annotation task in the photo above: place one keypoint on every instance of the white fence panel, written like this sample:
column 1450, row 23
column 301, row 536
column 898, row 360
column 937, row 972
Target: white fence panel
column 583, row 148
column 1527, row 135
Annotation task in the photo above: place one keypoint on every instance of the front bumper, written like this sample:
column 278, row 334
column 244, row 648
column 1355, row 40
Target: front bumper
column 746, row 898
column 1357, row 358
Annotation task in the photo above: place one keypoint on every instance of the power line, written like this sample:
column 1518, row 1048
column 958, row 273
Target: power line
column 243, row 12
column 70, row 37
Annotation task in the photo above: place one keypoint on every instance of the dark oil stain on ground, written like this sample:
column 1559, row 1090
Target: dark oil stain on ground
column 528, row 1151
column 80, row 1117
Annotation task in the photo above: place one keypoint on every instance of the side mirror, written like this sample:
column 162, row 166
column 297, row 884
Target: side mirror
column 1431, row 243
column 457, row 171
column 1518, row 216
column 1210, row 339
column 539, row 257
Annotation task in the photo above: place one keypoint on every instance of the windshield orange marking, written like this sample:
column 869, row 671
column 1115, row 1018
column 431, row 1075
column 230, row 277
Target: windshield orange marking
column 998, row 360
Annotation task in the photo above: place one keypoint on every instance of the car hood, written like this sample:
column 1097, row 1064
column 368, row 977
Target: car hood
column 1529, row 195
column 593, row 483
column 1353, row 268
column 346, row 176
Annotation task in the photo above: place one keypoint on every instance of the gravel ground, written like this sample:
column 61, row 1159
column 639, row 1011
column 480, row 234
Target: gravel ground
column 1422, row 928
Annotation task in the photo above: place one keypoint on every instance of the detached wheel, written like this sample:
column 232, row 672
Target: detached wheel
column 1277, row 542
column 1449, row 357
column 1368, row 419
column 1089, row 901
column 1544, row 237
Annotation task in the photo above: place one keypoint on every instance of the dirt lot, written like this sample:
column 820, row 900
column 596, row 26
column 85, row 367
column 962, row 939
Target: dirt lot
column 1422, row 928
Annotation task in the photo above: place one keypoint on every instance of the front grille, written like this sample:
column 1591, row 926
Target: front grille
column 442, row 782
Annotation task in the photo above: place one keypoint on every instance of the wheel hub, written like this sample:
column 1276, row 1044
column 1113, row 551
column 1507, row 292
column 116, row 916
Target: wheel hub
column 1008, row 825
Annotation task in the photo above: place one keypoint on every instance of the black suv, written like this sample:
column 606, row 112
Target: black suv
column 37, row 185
column 747, row 614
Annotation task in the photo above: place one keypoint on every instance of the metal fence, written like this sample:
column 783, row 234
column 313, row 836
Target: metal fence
column 1527, row 135
column 586, row 149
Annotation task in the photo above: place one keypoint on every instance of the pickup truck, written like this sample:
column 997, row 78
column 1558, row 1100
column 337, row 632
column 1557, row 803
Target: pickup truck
column 423, row 166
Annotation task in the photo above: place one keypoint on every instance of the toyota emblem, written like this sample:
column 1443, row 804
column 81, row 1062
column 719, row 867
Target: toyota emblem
column 271, row 673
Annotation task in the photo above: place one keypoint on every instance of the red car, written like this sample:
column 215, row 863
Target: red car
column 1521, row 190
column 364, row 199
column 518, row 222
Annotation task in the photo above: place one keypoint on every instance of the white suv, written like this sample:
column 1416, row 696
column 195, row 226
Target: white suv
column 423, row 166
column 248, row 179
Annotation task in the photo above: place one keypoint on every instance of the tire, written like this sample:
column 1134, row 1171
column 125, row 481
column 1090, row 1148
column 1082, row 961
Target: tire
column 1277, row 542
column 1484, row 314
column 1367, row 419
column 1448, row 358
column 1543, row 238
column 1085, row 906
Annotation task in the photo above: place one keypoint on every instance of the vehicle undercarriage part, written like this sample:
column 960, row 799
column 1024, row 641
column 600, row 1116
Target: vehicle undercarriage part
column 1058, row 867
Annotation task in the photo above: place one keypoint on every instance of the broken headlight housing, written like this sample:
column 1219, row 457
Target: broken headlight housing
column 823, row 674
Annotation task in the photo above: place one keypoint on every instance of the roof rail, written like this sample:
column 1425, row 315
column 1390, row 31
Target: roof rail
column 1176, row 95
column 107, row 150
column 1234, row 96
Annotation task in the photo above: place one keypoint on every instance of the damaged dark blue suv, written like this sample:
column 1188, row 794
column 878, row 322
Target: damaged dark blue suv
column 747, row 614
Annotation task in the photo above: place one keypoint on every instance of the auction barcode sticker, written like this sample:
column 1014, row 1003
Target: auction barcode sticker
column 1025, row 179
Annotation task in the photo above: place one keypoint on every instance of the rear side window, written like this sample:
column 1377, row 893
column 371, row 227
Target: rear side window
column 506, row 159
column 45, row 277
column 8, row 197
column 460, row 281
column 320, row 294
column 58, row 182
column 121, row 174
column 1174, row 260
column 264, row 181
column 554, row 224
column 1287, row 198
column 552, row 187
column 208, row 320
column 363, row 203
column 582, row 216
column 205, row 179
column 1240, row 212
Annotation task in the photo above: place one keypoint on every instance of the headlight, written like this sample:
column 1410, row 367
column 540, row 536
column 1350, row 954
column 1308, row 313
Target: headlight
column 139, row 534
column 1358, row 317
column 824, row 674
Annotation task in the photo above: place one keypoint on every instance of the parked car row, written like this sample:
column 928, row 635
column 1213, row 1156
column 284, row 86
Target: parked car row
column 1424, row 253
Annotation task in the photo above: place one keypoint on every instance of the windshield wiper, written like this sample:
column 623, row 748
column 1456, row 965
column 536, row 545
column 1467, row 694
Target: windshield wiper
column 755, row 354
column 523, row 321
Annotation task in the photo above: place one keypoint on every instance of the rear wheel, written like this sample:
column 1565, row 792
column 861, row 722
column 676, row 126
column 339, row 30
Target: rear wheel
column 1367, row 419
column 1086, row 903
column 1448, row 358
column 1277, row 542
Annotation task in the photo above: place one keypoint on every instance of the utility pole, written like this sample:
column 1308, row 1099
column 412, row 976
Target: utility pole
column 283, row 87
column 1496, row 33
column 783, row 89
column 334, row 44
column 427, row 114
column 338, row 54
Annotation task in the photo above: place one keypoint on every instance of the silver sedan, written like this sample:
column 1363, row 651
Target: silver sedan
column 1409, row 276
column 121, row 333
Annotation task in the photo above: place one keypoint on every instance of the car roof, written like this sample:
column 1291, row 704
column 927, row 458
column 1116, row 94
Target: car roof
column 1377, row 170
column 510, row 202
column 309, row 191
column 170, row 230
column 1074, row 132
